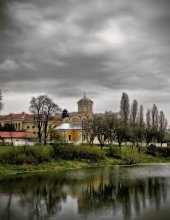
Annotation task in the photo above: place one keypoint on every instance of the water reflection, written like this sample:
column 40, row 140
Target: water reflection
column 103, row 193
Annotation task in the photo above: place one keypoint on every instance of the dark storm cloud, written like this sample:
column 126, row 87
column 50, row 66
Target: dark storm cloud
column 66, row 47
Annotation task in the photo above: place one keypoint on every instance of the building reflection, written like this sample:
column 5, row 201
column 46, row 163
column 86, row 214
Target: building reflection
column 41, row 196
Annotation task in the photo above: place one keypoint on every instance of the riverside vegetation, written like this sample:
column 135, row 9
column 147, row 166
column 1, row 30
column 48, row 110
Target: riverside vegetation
column 48, row 158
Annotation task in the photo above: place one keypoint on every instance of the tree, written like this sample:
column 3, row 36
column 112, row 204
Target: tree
column 148, row 132
column 111, row 125
column 121, row 132
column 65, row 114
column 1, row 104
column 8, row 127
column 133, row 122
column 162, row 127
column 89, row 129
column 134, row 112
column 155, row 117
column 124, row 108
column 43, row 109
column 101, row 129
column 148, row 119
column 141, row 117
column 140, row 125
column 152, row 125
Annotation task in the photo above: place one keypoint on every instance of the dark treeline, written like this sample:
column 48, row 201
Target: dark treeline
column 129, row 125
column 7, row 127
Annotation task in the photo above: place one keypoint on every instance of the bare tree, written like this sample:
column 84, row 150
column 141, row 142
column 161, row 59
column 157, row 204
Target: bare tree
column 111, row 125
column 43, row 109
column 50, row 110
column 101, row 128
column 89, row 129
column 124, row 108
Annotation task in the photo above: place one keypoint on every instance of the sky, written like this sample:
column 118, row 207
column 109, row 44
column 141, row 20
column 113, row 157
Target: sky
column 101, row 47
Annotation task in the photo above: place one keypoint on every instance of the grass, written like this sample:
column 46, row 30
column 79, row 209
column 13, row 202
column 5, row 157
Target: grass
column 75, row 157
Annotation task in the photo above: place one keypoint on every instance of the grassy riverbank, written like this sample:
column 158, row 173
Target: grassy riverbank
column 36, row 159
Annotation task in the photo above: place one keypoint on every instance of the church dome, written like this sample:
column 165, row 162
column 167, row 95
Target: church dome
column 85, row 105
column 85, row 99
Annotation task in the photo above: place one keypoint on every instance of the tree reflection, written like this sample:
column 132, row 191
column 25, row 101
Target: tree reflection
column 130, row 196
column 40, row 196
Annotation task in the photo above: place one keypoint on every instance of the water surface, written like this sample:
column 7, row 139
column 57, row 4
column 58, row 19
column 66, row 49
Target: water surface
column 138, row 193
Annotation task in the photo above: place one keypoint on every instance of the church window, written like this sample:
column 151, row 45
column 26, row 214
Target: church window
column 69, row 137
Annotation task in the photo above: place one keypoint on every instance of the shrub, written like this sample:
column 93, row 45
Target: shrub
column 114, row 152
column 130, row 155
column 164, row 152
column 151, row 150
column 31, row 155
column 79, row 152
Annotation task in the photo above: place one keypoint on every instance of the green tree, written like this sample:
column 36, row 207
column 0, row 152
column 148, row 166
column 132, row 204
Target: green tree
column 124, row 108
column 141, row 125
column 8, row 127
column 120, row 132
column 1, row 104
column 162, row 127
column 65, row 114
column 134, row 112
column 154, row 117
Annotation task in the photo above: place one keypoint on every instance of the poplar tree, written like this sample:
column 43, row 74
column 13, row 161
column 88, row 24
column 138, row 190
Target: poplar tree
column 1, row 104
column 134, row 112
column 162, row 127
column 124, row 108
column 154, row 117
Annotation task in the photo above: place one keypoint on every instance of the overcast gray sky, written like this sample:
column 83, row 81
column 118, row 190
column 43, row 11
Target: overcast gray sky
column 102, row 47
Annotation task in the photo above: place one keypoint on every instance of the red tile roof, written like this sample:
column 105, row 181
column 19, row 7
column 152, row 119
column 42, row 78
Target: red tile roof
column 24, row 117
column 13, row 134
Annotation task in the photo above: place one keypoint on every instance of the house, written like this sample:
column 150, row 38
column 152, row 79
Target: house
column 70, row 132
column 17, row 138
column 25, row 122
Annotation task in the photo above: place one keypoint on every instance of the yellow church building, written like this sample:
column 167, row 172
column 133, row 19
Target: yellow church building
column 71, row 128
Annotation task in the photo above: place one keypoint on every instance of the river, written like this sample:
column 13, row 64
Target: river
column 118, row 192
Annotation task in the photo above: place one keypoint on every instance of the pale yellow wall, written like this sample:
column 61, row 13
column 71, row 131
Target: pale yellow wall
column 73, row 133
column 75, row 119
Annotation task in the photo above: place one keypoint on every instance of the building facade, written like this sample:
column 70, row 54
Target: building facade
column 17, row 138
column 71, row 128
column 25, row 122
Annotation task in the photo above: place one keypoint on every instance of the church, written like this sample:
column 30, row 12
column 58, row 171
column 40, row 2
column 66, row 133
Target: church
column 71, row 128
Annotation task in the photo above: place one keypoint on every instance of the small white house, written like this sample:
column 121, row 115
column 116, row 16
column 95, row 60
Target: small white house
column 17, row 138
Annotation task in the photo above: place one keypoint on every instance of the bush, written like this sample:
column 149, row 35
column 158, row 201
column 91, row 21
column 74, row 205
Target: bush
column 114, row 152
column 130, row 155
column 151, row 150
column 163, row 152
column 79, row 152
column 31, row 155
